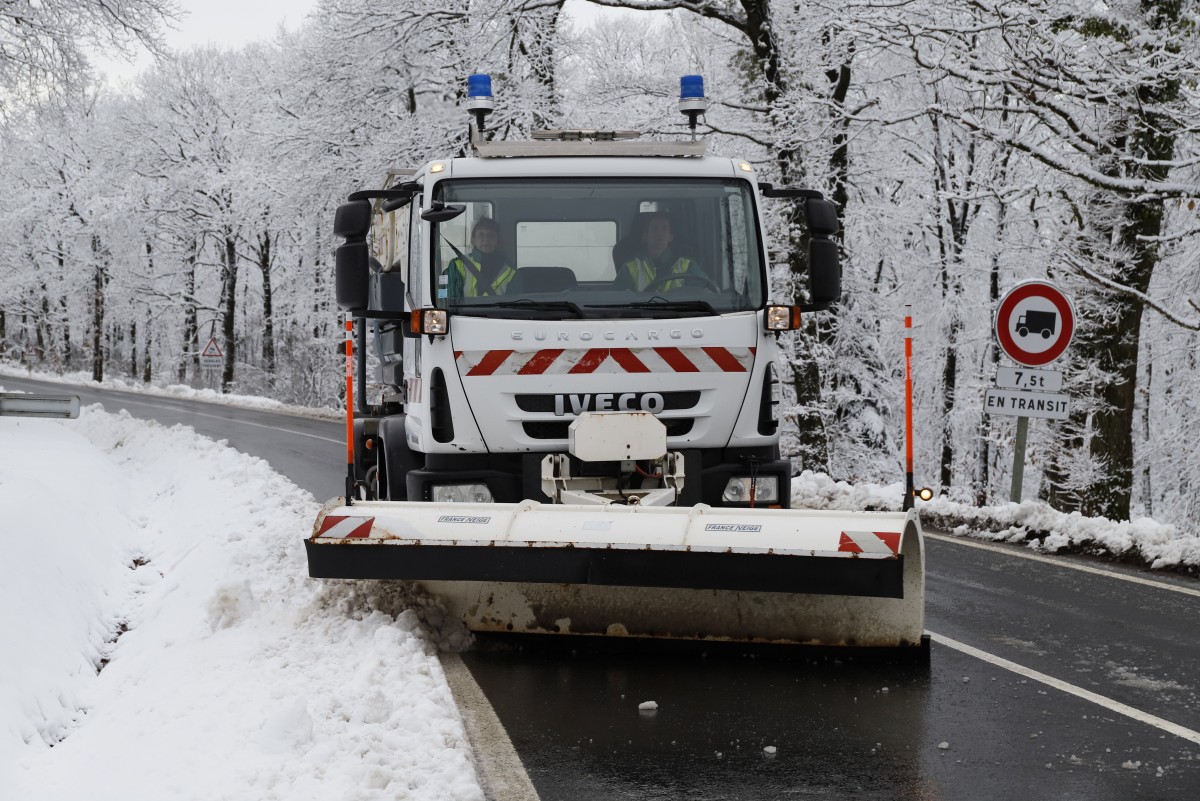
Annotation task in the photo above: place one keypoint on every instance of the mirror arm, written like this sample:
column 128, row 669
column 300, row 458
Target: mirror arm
column 769, row 190
column 405, row 190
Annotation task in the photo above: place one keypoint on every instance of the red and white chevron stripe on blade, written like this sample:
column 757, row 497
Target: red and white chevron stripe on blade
column 345, row 528
column 869, row 542
column 559, row 361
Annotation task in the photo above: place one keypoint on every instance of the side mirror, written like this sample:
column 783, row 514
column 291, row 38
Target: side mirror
column 824, row 267
column 822, row 217
column 440, row 212
column 352, row 221
column 824, row 274
column 351, row 276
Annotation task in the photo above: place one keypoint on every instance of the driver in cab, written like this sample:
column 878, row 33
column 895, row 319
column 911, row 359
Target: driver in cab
column 654, row 259
column 484, row 271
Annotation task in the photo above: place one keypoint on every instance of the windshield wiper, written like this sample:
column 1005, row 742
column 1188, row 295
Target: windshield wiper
column 660, row 303
column 523, row 303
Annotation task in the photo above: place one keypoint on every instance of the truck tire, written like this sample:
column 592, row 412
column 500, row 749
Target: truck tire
column 395, row 459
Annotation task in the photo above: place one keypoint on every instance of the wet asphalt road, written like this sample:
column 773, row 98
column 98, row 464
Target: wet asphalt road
column 837, row 732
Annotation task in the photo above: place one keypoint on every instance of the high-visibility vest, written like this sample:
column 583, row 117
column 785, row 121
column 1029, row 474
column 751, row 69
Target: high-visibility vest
column 507, row 273
column 643, row 271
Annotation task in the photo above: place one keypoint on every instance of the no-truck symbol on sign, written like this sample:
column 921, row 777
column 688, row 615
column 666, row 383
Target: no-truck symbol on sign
column 1035, row 323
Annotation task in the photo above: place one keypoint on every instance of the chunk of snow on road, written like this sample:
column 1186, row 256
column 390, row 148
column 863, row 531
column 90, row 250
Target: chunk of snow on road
column 648, row 706
column 1130, row 677
column 943, row 745
column 770, row 750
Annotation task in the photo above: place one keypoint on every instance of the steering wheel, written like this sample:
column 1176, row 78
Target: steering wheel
column 685, row 277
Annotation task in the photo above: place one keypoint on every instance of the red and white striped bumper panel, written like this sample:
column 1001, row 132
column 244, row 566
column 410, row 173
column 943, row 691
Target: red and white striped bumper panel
column 604, row 360
column 342, row 528
column 870, row 542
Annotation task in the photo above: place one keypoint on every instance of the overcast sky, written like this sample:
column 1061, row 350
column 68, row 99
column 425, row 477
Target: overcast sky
column 234, row 22
column 224, row 22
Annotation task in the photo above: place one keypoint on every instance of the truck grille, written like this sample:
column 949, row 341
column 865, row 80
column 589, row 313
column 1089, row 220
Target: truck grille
column 555, row 429
column 673, row 401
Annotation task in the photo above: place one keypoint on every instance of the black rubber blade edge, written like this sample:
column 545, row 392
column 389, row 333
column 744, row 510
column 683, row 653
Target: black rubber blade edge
column 869, row 578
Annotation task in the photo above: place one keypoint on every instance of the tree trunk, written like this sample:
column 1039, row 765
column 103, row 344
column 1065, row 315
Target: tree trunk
column 953, row 225
column 99, row 284
column 1126, row 229
column 983, row 461
column 264, row 264
column 191, row 325
column 228, row 307
column 147, row 371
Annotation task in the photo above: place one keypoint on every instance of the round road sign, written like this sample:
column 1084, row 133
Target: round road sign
column 1035, row 323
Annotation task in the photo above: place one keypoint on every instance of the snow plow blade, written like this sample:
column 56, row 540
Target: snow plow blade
column 744, row 575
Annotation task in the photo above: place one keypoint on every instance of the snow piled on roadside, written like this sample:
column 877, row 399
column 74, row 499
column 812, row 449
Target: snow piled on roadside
column 229, row 673
column 78, row 378
column 1145, row 541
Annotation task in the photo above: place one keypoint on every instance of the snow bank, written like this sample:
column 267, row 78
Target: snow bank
column 1143, row 541
column 169, row 390
column 238, row 677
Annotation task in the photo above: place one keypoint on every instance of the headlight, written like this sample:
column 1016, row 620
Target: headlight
column 766, row 490
column 461, row 493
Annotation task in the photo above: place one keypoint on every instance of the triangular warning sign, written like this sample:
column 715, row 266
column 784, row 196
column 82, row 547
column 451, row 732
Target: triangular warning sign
column 213, row 349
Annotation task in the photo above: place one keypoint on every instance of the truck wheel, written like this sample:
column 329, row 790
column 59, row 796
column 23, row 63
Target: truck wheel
column 1045, row 333
column 395, row 459
column 1023, row 331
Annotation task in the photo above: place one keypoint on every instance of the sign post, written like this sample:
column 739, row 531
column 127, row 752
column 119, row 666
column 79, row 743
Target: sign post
column 1034, row 325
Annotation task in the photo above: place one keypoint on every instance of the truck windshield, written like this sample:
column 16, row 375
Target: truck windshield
column 598, row 248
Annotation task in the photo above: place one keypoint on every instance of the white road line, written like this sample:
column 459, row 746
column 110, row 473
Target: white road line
column 1060, row 562
column 503, row 775
column 260, row 425
column 186, row 410
column 1079, row 692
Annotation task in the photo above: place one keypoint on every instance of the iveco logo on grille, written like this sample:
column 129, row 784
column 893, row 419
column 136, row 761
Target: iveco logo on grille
column 609, row 402
column 736, row 527
column 463, row 519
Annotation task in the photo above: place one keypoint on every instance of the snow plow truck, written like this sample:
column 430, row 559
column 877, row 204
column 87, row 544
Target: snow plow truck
column 578, row 431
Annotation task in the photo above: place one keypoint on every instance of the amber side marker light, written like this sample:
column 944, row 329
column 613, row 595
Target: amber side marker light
column 782, row 318
column 434, row 322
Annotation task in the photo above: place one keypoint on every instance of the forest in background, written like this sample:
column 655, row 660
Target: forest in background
column 968, row 144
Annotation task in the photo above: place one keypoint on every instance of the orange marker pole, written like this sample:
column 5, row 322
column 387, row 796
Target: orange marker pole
column 909, row 488
column 349, row 409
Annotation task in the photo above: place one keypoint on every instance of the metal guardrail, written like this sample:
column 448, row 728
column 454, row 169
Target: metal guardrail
column 19, row 404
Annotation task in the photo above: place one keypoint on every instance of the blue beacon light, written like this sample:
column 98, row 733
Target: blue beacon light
column 479, row 85
column 692, row 102
column 479, row 98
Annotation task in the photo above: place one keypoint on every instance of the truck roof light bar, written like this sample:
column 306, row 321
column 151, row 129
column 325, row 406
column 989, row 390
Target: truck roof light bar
column 615, row 147
column 578, row 134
